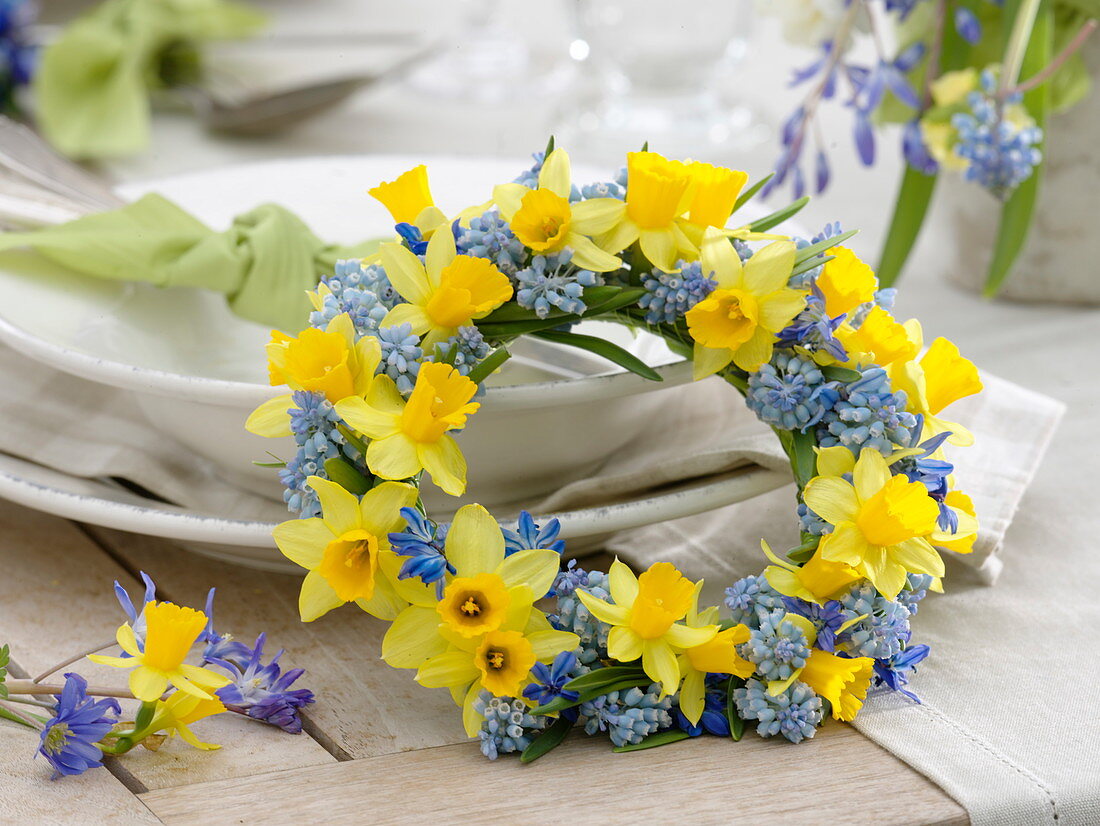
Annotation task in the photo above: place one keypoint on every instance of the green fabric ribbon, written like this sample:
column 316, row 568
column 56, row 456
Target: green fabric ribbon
column 92, row 85
column 264, row 262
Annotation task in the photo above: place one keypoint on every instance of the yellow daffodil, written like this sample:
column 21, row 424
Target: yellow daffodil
column 498, row 662
column 962, row 540
column 881, row 523
column 818, row 580
column 409, row 200
column 546, row 222
column 645, row 615
column 879, row 340
column 738, row 321
column 717, row 656
column 328, row 361
column 444, row 292
column 845, row 281
column 941, row 377
column 714, row 191
column 407, row 437
column 170, row 631
column 344, row 549
column 658, row 192
column 487, row 592
column 843, row 681
column 180, row 711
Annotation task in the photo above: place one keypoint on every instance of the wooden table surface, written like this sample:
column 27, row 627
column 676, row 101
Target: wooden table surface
column 377, row 747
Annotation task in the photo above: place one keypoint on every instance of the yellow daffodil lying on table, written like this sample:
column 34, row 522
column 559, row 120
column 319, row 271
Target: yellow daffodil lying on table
column 389, row 373
column 181, row 672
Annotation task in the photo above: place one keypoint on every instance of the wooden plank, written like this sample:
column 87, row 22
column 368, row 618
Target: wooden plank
column 28, row 796
column 57, row 598
column 709, row 780
column 364, row 708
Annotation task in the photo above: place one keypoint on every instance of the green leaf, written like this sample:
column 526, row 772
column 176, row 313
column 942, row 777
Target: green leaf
column 1090, row 8
column 353, row 439
column 800, row 449
column 549, row 147
column 8, row 715
column 779, row 216
column 811, row 263
column 347, row 476
column 750, row 193
column 661, row 738
column 550, row 738
column 603, row 677
column 737, row 725
column 279, row 464
column 488, row 366
column 806, row 253
column 624, row 297
column 801, row 553
column 834, row 372
column 914, row 196
column 1017, row 211
column 604, row 349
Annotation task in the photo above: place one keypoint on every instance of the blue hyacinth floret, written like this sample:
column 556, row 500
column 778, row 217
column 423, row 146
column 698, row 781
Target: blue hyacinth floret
column 778, row 647
column 572, row 615
column 364, row 293
column 401, row 356
column 884, row 629
column 751, row 599
column 868, row 414
column 489, row 236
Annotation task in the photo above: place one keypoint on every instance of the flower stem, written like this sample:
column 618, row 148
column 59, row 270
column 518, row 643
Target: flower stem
column 9, row 713
column 31, row 687
column 1041, row 77
column 54, row 669
column 935, row 52
column 1017, row 45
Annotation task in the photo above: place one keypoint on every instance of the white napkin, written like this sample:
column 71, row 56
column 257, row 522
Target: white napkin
column 92, row 430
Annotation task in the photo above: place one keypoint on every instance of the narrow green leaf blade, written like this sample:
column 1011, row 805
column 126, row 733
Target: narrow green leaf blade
column 914, row 196
column 736, row 724
column 750, row 193
column 604, row 677
column 779, row 216
column 661, row 738
column 834, row 372
column 604, row 349
column 809, row 252
column 347, row 476
column 487, row 367
column 550, row 738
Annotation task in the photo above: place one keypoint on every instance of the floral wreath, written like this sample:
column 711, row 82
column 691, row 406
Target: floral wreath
column 394, row 357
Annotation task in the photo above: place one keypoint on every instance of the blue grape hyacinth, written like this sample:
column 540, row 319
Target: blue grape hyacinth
column 506, row 727
column 796, row 713
column 669, row 295
column 628, row 716
column 790, row 392
column 868, row 414
column 551, row 282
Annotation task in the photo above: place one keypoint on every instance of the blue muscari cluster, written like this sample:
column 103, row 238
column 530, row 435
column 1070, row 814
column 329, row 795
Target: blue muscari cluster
column 465, row 349
column 882, row 298
column 827, row 619
column 810, row 522
column 550, row 282
column 751, row 599
column 604, row 189
column 69, row 737
column 529, row 535
column 16, row 48
column 506, row 727
column 884, row 629
column 868, row 414
column 796, row 713
column 790, row 392
column 915, row 590
column 778, row 647
column 669, row 295
column 628, row 716
column 530, row 176
column 1001, row 154
column 313, row 422
column 489, row 236
column 263, row 692
column 572, row 615
column 364, row 293
column 423, row 542
column 401, row 356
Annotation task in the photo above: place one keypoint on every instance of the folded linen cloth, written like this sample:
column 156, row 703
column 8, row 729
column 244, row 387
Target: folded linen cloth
column 111, row 437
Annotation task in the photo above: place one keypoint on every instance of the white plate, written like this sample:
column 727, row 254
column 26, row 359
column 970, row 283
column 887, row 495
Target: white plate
column 101, row 502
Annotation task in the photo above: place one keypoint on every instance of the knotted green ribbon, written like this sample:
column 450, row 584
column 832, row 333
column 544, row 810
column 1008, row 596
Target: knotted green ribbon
column 264, row 262
column 93, row 83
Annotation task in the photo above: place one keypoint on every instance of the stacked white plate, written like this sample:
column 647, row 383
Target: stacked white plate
column 552, row 416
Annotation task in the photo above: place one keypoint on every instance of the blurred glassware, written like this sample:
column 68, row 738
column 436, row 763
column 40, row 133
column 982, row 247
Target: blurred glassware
column 663, row 74
column 487, row 61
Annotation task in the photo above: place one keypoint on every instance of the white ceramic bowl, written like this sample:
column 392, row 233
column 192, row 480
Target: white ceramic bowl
column 196, row 370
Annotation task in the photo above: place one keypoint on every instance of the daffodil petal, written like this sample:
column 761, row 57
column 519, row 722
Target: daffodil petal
column 706, row 361
column 536, row 568
column 778, row 308
column 272, row 418
column 471, row 717
column 870, row 474
column 366, row 419
column 719, row 259
column 127, row 640
column 405, row 273
column 832, row 498
column 624, row 644
column 393, row 457
column 548, row 644
column 845, row 544
column 475, row 544
column 380, row 507
column 756, row 351
column 445, row 463
column 316, row 597
column 659, row 248
column 441, row 252
column 596, row 215
column 660, row 665
column 623, row 582
column 303, row 541
column 587, row 255
column 509, row 198
column 555, row 173
column 146, row 684
column 412, row 314
column 447, row 669
column 604, row 611
column 339, row 507
column 412, row 638
column 769, row 268
column 385, row 603
column 692, row 695
column 682, row 636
